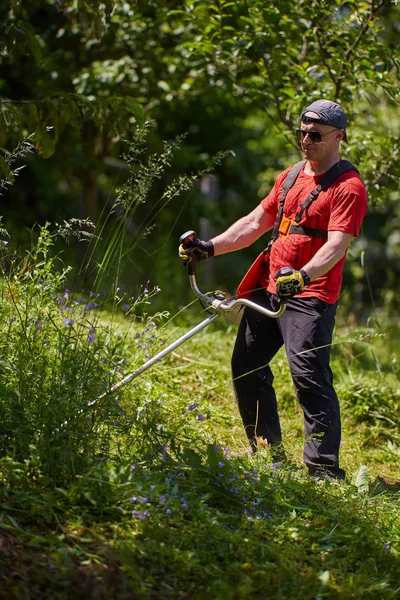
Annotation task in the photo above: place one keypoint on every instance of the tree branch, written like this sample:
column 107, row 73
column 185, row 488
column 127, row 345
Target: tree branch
column 346, row 57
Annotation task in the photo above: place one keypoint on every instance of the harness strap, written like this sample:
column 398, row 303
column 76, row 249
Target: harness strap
column 325, row 182
column 310, row 231
column 287, row 185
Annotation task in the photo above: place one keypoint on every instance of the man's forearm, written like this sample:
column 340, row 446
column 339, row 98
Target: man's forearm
column 328, row 255
column 243, row 233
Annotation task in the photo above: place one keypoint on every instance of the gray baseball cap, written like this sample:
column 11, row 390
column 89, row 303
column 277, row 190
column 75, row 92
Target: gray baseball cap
column 329, row 113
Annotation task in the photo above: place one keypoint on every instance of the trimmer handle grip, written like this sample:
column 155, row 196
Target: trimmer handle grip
column 188, row 239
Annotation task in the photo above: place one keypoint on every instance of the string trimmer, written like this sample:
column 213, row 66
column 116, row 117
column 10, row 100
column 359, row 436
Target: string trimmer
column 215, row 302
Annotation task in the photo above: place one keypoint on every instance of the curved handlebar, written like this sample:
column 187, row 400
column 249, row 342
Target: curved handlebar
column 217, row 300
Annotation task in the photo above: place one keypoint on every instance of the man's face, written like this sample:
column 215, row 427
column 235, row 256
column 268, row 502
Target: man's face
column 327, row 147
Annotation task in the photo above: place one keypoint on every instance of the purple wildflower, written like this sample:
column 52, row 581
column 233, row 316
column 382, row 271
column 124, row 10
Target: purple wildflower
column 132, row 467
column 162, row 499
column 138, row 515
column 69, row 322
column 193, row 406
column 201, row 417
column 168, row 511
column 221, row 464
column 90, row 306
column 38, row 326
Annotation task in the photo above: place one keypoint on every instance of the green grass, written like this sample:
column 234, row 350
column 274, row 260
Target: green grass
column 134, row 495
column 161, row 512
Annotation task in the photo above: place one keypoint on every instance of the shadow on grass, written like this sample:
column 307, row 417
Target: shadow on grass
column 280, row 536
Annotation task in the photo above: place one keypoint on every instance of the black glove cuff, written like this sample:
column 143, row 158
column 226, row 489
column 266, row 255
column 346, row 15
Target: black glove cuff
column 306, row 278
column 209, row 246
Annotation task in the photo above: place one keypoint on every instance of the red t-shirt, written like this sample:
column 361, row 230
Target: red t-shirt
column 339, row 208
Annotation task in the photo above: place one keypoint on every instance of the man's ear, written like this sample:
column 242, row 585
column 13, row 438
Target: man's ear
column 340, row 135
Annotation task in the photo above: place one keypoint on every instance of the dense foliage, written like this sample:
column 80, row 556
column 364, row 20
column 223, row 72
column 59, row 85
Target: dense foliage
column 80, row 76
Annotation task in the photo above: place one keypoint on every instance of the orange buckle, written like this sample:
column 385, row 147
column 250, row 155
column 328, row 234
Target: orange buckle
column 285, row 226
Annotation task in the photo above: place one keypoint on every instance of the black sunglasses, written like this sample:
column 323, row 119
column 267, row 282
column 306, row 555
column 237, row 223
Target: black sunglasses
column 315, row 136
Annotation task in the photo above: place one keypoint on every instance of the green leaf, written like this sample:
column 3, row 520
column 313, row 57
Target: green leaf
column 44, row 142
column 360, row 479
column 135, row 108
column 5, row 170
column 324, row 577
column 30, row 38
column 164, row 86
column 13, row 522
column 192, row 458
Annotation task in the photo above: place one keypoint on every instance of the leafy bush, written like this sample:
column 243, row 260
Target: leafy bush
column 56, row 358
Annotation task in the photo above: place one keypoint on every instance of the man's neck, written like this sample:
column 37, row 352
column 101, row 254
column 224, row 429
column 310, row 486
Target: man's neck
column 318, row 167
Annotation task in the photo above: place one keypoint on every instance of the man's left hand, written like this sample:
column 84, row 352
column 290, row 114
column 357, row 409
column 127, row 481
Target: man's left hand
column 201, row 251
column 290, row 282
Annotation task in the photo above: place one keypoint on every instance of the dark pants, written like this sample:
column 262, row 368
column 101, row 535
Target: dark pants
column 305, row 328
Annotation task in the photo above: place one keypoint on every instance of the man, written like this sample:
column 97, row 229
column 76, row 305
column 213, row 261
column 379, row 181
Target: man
column 305, row 267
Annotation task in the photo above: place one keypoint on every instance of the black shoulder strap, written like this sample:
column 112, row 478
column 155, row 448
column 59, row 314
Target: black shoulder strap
column 325, row 182
column 287, row 185
column 335, row 172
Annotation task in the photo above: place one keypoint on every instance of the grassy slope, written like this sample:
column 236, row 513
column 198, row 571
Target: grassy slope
column 184, row 521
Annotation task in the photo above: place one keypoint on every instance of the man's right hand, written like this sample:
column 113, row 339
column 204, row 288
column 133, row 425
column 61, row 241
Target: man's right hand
column 199, row 249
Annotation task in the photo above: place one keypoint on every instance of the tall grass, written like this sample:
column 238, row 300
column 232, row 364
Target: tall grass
column 55, row 358
column 135, row 209
column 57, row 352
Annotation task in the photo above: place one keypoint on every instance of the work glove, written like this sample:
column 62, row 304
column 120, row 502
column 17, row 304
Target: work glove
column 290, row 282
column 199, row 249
